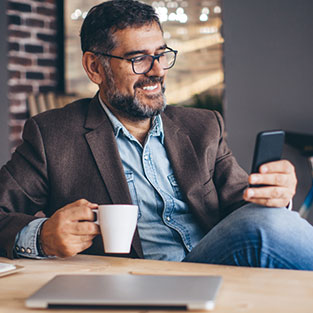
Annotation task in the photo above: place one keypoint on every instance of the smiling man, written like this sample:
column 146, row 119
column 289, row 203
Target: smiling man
column 131, row 82
column 126, row 146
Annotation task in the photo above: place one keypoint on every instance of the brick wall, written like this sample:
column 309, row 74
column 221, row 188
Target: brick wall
column 32, row 64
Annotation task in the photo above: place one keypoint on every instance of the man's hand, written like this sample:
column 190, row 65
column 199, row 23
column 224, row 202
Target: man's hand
column 69, row 230
column 281, row 179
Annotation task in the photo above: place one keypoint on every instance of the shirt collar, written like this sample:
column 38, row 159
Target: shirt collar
column 155, row 130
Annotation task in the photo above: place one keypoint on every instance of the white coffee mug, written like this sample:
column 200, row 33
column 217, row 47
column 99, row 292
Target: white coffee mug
column 117, row 223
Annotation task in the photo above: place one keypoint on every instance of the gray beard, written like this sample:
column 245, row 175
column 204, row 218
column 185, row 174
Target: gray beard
column 132, row 108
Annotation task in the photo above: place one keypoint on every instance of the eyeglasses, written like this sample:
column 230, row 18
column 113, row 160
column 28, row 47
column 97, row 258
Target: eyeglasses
column 143, row 64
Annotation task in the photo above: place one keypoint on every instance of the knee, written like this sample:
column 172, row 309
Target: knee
column 273, row 227
column 258, row 236
column 280, row 238
column 266, row 223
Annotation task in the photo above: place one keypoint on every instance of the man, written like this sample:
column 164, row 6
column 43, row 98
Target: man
column 126, row 146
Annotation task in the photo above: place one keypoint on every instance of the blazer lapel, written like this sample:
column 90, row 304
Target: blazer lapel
column 184, row 162
column 104, row 149
column 105, row 152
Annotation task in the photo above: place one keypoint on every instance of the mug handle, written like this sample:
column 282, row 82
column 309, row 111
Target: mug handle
column 96, row 212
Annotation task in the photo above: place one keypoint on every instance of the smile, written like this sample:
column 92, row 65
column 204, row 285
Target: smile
column 150, row 87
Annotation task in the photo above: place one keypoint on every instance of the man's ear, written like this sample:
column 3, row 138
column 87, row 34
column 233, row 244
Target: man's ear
column 92, row 67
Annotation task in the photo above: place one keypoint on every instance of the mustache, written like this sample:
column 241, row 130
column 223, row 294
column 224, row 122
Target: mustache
column 150, row 80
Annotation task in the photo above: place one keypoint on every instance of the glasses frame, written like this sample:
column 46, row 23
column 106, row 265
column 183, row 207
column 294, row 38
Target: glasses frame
column 132, row 60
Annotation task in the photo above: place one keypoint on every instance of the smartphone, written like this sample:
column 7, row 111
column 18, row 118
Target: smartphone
column 268, row 148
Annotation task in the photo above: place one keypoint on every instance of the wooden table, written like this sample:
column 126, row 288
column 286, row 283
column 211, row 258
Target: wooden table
column 243, row 289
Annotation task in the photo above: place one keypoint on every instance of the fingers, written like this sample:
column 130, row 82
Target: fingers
column 273, row 203
column 269, row 196
column 78, row 211
column 84, row 228
column 281, row 166
column 73, row 249
column 268, row 193
column 272, row 196
column 279, row 180
column 279, row 173
column 76, row 240
column 68, row 232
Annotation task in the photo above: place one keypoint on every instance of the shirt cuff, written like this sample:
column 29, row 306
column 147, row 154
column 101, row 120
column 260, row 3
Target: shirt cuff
column 26, row 240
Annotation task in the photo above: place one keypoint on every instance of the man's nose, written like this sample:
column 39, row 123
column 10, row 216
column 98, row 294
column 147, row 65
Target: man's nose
column 156, row 70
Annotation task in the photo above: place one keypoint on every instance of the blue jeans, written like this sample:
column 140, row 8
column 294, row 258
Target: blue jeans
column 259, row 237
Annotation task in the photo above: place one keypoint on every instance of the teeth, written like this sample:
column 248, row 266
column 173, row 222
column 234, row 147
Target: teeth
column 150, row 87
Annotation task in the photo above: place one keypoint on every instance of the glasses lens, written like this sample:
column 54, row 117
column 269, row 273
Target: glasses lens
column 167, row 59
column 142, row 64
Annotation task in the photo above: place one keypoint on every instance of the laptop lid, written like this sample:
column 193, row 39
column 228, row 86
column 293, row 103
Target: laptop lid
column 127, row 292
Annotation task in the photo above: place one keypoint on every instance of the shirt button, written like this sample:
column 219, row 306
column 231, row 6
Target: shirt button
column 22, row 250
column 146, row 157
column 17, row 248
column 168, row 218
column 29, row 251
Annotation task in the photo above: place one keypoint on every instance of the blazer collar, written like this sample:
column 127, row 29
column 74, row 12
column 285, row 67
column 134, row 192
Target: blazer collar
column 95, row 115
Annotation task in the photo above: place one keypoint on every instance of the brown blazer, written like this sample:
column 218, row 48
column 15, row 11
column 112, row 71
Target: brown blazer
column 70, row 153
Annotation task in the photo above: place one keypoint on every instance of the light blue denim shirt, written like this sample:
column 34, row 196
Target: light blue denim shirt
column 166, row 225
column 167, row 228
column 26, row 240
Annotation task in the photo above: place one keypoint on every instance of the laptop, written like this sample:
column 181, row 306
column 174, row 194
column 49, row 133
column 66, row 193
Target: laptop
column 127, row 292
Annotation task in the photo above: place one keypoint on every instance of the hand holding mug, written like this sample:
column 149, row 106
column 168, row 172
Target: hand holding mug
column 70, row 229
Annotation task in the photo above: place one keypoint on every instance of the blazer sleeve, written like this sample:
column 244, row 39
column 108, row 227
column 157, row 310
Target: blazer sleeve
column 231, row 180
column 23, row 187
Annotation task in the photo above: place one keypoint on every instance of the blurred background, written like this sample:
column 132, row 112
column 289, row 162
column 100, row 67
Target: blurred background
column 249, row 59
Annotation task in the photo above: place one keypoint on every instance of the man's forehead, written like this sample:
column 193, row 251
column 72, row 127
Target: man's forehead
column 146, row 37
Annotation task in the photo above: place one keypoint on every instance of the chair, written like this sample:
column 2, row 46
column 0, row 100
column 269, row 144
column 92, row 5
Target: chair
column 41, row 102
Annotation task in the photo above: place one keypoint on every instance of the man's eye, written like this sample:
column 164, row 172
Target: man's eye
column 140, row 59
